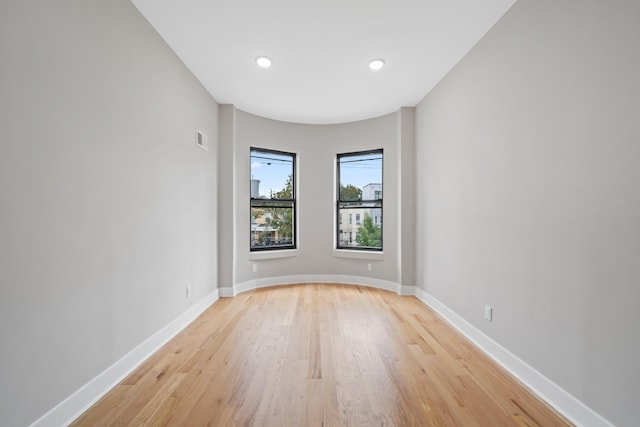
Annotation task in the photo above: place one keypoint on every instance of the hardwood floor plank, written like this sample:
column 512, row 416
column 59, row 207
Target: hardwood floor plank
column 320, row 355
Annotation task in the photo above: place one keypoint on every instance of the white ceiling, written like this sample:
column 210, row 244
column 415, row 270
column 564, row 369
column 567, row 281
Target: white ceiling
column 321, row 50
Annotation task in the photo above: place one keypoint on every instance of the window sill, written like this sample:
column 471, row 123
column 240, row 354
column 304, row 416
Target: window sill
column 370, row 255
column 284, row 253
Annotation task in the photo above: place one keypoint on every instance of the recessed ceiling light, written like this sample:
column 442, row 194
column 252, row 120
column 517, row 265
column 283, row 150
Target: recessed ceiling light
column 376, row 64
column 263, row 61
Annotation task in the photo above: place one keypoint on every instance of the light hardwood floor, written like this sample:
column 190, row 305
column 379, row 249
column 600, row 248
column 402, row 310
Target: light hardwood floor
column 320, row 355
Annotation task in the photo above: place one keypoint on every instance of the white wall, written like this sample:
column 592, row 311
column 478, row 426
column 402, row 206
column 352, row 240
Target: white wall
column 107, row 208
column 316, row 147
column 528, row 187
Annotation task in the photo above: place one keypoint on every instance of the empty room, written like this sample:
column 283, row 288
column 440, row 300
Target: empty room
column 319, row 213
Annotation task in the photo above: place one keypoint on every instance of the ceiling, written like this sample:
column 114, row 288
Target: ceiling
column 320, row 51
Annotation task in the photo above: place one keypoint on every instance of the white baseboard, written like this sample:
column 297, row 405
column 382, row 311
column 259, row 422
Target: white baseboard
column 407, row 290
column 321, row 278
column 76, row 404
column 226, row 292
column 573, row 409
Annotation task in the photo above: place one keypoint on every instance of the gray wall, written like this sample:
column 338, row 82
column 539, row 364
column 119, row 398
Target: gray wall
column 316, row 147
column 407, row 205
column 528, row 190
column 107, row 208
column 226, row 131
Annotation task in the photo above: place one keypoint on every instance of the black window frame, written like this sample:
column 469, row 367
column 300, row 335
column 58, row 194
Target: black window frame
column 275, row 203
column 365, row 205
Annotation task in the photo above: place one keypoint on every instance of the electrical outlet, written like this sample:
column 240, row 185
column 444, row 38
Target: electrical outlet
column 369, row 267
column 254, row 268
column 188, row 292
column 488, row 313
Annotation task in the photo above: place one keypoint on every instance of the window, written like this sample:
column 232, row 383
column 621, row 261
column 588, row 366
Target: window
column 273, row 200
column 359, row 193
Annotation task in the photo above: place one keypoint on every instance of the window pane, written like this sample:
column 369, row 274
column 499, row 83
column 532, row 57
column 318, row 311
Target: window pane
column 364, row 234
column 271, row 175
column 361, row 177
column 271, row 227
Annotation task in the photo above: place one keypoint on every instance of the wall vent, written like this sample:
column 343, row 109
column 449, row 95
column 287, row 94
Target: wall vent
column 201, row 140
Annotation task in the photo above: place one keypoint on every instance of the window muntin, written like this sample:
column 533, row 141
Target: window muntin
column 359, row 195
column 272, row 200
